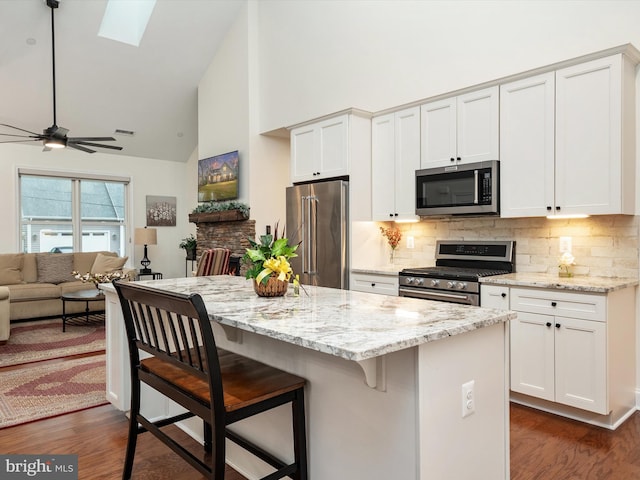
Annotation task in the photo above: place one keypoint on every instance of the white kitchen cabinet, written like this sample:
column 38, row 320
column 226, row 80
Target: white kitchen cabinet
column 566, row 141
column 395, row 156
column 462, row 129
column 527, row 143
column 375, row 283
column 574, row 349
column 320, row 150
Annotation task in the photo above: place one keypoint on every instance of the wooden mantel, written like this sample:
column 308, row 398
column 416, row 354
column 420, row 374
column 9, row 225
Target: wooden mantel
column 215, row 217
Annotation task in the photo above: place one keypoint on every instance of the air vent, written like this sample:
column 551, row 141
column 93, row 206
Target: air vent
column 128, row 133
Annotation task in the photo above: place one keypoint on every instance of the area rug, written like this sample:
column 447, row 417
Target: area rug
column 44, row 339
column 45, row 390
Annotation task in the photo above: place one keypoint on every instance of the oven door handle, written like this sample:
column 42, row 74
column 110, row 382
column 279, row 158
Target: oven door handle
column 431, row 295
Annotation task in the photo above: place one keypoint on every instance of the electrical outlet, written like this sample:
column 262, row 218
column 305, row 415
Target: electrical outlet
column 410, row 242
column 468, row 398
column 565, row 244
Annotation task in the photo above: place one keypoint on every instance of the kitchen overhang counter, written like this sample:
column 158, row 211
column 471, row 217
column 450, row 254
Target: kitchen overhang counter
column 578, row 283
column 416, row 353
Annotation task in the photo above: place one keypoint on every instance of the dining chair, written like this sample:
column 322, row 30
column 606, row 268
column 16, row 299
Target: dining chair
column 183, row 363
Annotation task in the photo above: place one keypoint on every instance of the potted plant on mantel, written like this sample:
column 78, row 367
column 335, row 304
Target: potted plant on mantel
column 219, row 212
column 189, row 244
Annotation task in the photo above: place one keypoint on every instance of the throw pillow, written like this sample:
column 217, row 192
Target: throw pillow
column 105, row 264
column 54, row 267
column 11, row 268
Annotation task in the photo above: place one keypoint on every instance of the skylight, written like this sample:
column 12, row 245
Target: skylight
column 126, row 20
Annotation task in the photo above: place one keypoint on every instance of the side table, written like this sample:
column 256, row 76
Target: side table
column 153, row 275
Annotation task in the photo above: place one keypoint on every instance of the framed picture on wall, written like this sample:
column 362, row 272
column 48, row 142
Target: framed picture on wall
column 218, row 177
column 161, row 211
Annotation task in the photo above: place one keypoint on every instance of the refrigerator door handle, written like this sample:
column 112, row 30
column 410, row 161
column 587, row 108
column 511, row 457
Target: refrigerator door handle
column 303, row 240
column 313, row 235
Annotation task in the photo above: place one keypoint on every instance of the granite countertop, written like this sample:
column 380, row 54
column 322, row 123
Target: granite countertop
column 577, row 283
column 379, row 270
column 347, row 324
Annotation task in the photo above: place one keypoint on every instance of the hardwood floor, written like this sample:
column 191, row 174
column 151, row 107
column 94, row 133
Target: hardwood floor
column 549, row 447
column 543, row 447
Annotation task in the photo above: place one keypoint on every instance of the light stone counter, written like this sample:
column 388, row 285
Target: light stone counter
column 351, row 325
column 577, row 283
column 379, row 270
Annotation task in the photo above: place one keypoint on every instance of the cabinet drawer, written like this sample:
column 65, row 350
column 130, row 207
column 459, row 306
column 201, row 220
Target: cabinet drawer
column 492, row 296
column 382, row 284
column 566, row 304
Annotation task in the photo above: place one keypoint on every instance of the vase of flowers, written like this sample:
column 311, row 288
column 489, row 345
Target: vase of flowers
column 566, row 260
column 268, row 264
column 393, row 236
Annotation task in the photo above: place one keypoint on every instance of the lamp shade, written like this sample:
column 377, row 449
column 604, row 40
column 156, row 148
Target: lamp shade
column 146, row 236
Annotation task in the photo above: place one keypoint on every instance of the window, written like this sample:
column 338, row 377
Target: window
column 71, row 213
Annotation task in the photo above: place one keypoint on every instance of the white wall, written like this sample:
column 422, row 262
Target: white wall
column 148, row 177
column 319, row 56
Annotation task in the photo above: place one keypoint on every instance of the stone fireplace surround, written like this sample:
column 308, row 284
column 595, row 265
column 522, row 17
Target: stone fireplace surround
column 220, row 231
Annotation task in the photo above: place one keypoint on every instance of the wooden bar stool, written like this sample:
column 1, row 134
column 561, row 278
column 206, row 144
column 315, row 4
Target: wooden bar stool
column 218, row 386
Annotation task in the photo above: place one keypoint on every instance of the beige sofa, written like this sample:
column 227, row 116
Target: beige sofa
column 31, row 284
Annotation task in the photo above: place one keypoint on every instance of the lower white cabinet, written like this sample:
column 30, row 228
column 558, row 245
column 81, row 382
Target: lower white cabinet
column 571, row 353
column 375, row 283
column 571, row 348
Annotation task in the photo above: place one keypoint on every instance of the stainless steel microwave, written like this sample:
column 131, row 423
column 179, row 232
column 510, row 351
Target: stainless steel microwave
column 471, row 189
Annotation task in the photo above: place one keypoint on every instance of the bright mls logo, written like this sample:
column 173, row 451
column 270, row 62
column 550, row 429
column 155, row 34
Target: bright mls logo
column 51, row 467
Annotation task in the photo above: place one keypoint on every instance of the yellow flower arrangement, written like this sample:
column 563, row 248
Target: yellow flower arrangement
column 270, row 257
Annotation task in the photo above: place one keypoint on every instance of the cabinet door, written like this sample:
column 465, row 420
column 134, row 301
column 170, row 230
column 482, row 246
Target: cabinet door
column 304, row 153
column 477, row 117
column 333, row 159
column 588, row 137
column 383, row 167
column 581, row 359
column 407, row 161
column 438, row 133
column 532, row 355
column 527, row 146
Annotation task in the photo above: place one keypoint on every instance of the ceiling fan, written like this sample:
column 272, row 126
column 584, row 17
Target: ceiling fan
column 55, row 136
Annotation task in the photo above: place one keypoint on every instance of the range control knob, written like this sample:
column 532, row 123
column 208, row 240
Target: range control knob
column 435, row 283
column 451, row 284
column 461, row 285
column 419, row 281
column 408, row 280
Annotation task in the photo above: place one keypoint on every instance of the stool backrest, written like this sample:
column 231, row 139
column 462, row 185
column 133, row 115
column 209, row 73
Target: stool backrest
column 174, row 328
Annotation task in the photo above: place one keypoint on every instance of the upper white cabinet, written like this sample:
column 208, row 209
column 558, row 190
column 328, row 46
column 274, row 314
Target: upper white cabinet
column 567, row 141
column 395, row 155
column 460, row 129
column 320, row 150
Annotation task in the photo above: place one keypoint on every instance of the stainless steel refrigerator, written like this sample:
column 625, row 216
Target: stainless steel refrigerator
column 317, row 216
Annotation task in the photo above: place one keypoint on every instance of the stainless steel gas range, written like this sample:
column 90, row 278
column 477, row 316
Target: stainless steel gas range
column 459, row 266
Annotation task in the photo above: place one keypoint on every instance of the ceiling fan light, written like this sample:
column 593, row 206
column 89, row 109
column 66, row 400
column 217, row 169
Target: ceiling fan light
column 54, row 143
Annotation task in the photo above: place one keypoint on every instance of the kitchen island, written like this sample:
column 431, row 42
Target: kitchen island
column 385, row 378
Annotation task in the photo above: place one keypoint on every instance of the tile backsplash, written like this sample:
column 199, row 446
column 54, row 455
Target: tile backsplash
column 605, row 245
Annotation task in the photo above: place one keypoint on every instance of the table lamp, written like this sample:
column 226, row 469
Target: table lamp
column 145, row 236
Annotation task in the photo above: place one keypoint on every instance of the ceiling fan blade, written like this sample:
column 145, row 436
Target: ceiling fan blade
column 21, row 141
column 90, row 144
column 79, row 147
column 35, row 137
column 16, row 128
column 91, row 139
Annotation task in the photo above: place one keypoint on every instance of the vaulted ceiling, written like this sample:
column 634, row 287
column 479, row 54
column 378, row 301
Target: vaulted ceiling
column 103, row 85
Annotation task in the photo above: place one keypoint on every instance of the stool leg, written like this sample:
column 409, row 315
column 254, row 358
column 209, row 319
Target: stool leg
column 133, row 428
column 299, row 436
